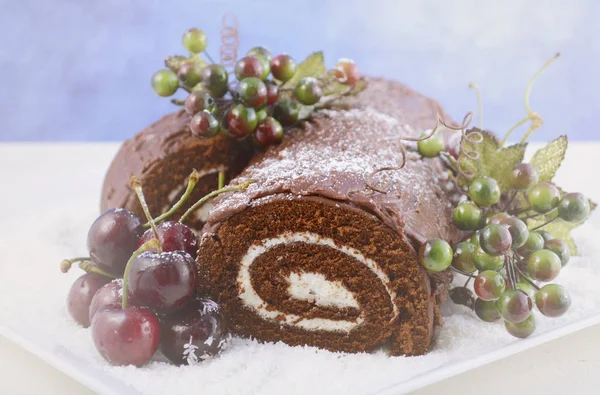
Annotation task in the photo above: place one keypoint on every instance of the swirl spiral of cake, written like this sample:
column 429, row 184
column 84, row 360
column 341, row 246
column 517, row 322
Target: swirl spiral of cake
column 311, row 253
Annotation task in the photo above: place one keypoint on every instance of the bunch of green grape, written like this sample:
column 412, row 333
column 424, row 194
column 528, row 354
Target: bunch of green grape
column 512, row 264
column 257, row 105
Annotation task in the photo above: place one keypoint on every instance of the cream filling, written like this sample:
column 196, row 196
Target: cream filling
column 315, row 288
column 202, row 212
column 253, row 301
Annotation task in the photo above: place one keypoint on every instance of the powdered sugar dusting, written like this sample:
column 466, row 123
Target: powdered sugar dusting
column 337, row 157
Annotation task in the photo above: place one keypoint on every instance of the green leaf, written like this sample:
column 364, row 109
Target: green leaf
column 494, row 161
column 312, row 66
column 360, row 86
column 334, row 88
column 547, row 160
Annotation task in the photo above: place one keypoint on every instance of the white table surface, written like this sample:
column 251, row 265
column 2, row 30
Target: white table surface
column 568, row 365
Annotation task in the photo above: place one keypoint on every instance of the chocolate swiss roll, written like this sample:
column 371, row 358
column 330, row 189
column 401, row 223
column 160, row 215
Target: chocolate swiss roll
column 321, row 251
column 163, row 156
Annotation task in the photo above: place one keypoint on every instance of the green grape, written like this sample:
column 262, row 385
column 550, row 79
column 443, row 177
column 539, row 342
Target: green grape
column 495, row 239
column 573, row 207
column 431, row 147
column 544, row 197
column 484, row 261
column 467, row 216
column 486, row 310
column 194, row 40
column 283, row 67
column 190, row 74
column 489, row 285
column 436, row 255
column 463, row 257
column 553, row 300
column 286, row 111
column 543, row 265
column 241, row 120
column 524, row 176
column 252, row 92
column 522, row 329
column 534, row 242
column 165, row 82
column 484, row 191
column 308, row 91
column 215, row 80
column 561, row 249
column 260, row 51
column 514, row 306
column 518, row 231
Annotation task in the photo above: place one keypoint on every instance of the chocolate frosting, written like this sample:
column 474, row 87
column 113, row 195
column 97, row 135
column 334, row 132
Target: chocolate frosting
column 337, row 152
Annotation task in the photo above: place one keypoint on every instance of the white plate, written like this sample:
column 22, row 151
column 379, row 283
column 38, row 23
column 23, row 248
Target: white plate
column 33, row 314
column 103, row 383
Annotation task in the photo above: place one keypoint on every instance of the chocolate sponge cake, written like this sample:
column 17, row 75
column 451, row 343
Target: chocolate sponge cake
column 312, row 253
column 163, row 156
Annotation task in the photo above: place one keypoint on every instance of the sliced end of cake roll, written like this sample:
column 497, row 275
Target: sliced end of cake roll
column 163, row 156
column 321, row 249
column 312, row 270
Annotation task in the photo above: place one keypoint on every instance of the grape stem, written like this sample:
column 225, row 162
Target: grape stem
column 89, row 268
column 524, row 277
column 521, row 211
column 221, row 182
column 510, row 201
column 537, row 215
column 467, row 282
column 192, row 181
column 545, row 223
column 510, row 272
column 209, row 57
column 473, row 85
column 135, row 184
column 536, row 120
column 512, row 129
column 178, row 102
column 66, row 264
column 200, row 202
column 535, row 76
column 149, row 245
column 463, row 273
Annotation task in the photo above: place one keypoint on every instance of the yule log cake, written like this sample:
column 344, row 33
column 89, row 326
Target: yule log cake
column 162, row 156
column 319, row 250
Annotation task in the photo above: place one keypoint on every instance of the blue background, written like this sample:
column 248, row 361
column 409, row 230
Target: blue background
column 80, row 70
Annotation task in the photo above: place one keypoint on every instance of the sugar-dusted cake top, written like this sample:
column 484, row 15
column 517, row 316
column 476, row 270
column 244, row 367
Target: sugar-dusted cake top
column 338, row 153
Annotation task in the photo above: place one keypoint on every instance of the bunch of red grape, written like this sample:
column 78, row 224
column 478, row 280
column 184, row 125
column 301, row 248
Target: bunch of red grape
column 508, row 260
column 151, row 301
column 260, row 103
